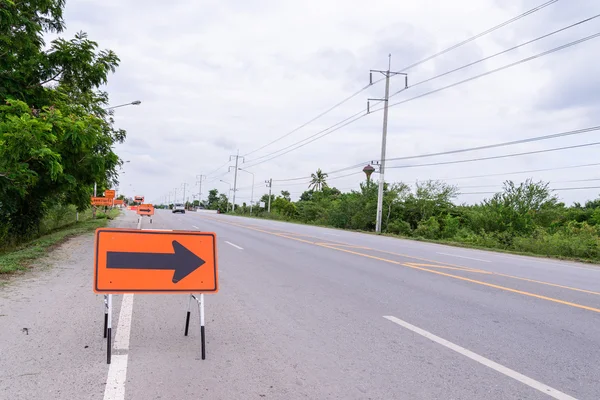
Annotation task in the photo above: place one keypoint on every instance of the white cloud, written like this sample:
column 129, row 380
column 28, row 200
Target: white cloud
column 217, row 76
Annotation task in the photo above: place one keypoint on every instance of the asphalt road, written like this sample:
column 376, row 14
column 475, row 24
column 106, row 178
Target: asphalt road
column 311, row 313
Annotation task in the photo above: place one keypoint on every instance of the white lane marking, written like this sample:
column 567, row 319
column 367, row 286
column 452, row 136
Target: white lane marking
column 468, row 258
column 124, row 326
column 195, row 227
column 330, row 234
column 234, row 245
column 117, row 372
column 482, row 360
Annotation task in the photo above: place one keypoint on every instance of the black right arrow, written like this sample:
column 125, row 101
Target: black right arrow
column 183, row 262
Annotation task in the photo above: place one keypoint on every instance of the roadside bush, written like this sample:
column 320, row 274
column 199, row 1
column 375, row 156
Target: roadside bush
column 451, row 226
column 429, row 229
column 400, row 227
column 583, row 244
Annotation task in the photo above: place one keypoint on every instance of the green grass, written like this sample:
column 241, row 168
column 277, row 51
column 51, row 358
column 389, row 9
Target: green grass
column 21, row 257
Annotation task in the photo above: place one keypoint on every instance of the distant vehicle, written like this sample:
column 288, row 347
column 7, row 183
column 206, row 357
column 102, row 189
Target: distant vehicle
column 179, row 208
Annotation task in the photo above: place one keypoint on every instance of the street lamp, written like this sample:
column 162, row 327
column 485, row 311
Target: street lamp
column 133, row 103
column 229, row 194
column 252, row 193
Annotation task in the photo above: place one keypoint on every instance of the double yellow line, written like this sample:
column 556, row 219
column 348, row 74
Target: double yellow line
column 338, row 246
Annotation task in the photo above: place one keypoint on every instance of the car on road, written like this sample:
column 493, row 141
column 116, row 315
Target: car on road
column 178, row 208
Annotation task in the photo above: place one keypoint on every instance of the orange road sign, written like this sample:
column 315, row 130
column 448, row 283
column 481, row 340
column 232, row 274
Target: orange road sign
column 101, row 201
column 118, row 202
column 110, row 194
column 153, row 261
column 139, row 199
column 145, row 209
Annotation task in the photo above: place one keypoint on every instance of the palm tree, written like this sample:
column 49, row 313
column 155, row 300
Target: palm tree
column 318, row 180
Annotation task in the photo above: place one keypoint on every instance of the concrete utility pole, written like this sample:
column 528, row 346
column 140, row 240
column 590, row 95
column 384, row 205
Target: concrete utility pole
column 184, row 185
column 237, row 157
column 388, row 74
column 252, row 192
column 199, row 179
column 269, row 185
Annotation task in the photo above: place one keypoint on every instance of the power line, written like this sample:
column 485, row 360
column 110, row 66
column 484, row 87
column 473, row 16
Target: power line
column 472, row 38
column 497, row 157
column 554, row 190
column 531, row 11
column 528, row 140
column 502, row 52
column 344, row 176
column 315, row 118
column 491, row 146
column 362, row 115
column 215, row 170
column 524, row 60
column 551, row 182
column 309, row 137
column 520, row 172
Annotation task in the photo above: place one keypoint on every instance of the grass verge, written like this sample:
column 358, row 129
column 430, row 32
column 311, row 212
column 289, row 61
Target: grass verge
column 21, row 257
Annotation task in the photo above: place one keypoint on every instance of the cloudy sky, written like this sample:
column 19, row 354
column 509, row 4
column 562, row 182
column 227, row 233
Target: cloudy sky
column 218, row 76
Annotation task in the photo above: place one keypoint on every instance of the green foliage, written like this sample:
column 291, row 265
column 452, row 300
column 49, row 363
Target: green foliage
column 213, row 199
column 399, row 227
column 20, row 258
column 525, row 218
column 428, row 229
column 56, row 139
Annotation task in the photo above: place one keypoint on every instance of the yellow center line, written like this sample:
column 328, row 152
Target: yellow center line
column 415, row 266
column 547, row 283
column 479, row 271
column 473, row 281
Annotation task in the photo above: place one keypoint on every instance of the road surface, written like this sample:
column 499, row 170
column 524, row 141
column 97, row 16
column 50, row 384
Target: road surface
column 310, row 313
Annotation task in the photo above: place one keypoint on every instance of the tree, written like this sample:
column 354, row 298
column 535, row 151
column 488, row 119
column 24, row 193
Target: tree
column 392, row 196
column 265, row 198
column 56, row 139
column 318, row 180
column 519, row 207
column 223, row 204
column 286, row 195
column 213, row 199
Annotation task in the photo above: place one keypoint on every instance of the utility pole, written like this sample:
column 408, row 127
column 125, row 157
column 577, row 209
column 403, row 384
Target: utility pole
column 199, row 179
column 184, row 202
column 269, row 185
column 237, row 157
column 388, row 74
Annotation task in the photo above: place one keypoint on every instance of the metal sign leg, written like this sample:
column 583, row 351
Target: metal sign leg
column 105, row 314
column 201, row 309
column 187, row 318
column 109, row 330
column 200, row 301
